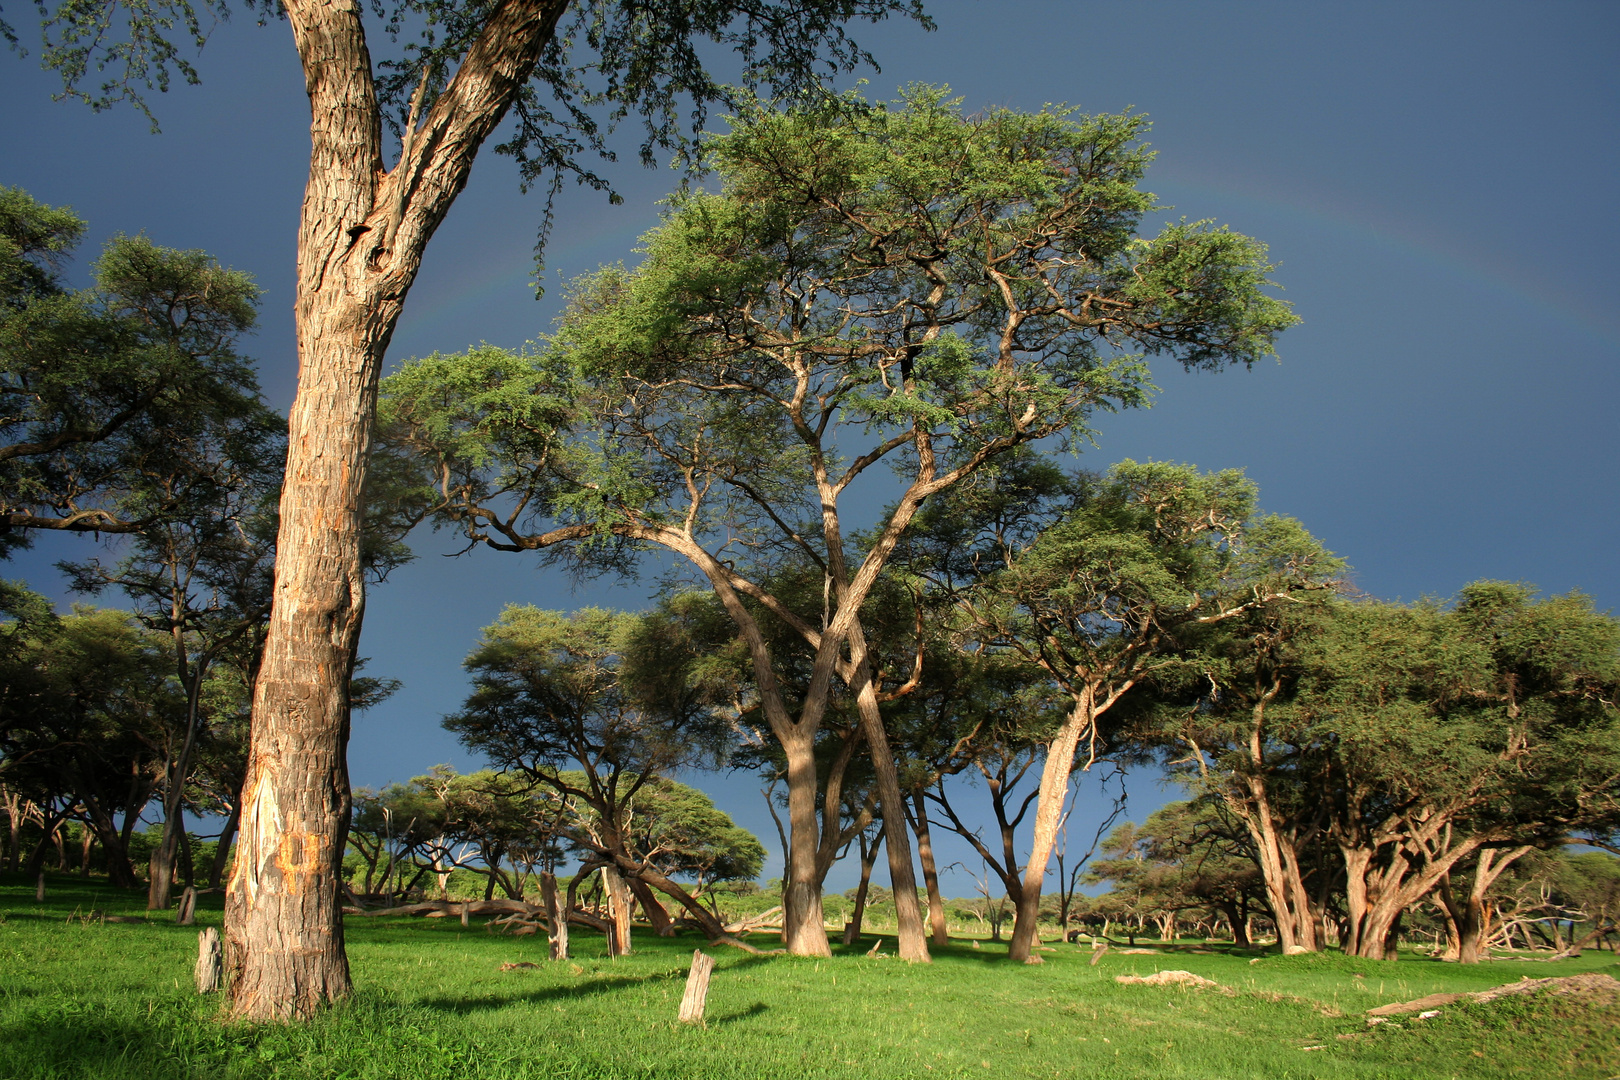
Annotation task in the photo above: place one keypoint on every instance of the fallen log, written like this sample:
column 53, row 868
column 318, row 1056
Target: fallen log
column 770, row 919
column 1603, row 986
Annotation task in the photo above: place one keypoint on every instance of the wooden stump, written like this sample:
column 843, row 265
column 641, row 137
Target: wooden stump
column 187, row 915
column 39, row 889
column 464, row 908
column 697, row 988
column 209, row 961
column 556, row 918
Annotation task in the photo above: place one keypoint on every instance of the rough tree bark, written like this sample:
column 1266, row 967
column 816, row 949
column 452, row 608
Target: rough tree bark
column 619, row 913
column 556, row 917
column 361, row 237
column 657, row 915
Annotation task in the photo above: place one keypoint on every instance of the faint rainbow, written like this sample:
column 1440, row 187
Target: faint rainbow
column 1412, row 243
column 514, row 273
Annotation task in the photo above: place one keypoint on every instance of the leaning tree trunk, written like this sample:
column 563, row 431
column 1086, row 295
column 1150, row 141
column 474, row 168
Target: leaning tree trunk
column 360, row 244
column 1470, row 915
column 1048, row 815
column 657, row 915
column 852, row 931
column 940, row 930
column 913, row 944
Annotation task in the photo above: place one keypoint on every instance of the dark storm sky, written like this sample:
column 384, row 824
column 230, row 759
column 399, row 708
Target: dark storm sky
column 1438, row 182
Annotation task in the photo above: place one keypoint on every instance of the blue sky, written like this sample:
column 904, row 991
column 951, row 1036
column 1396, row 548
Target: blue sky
column 1437, row 182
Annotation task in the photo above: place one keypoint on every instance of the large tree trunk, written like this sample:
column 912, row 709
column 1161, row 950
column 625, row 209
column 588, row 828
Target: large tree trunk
column 556, row 915
column 1467, row 914
column 657, row 915
column 913, row 943
column 619, row 901
column 120, row 872
column 361, row 238
column 804, row 929
column 941, row 934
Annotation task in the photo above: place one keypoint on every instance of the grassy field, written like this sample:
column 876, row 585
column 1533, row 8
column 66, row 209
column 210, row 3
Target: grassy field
column 113, row 1000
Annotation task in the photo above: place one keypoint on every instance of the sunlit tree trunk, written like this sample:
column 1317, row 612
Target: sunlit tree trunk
column 361, row 238
column 804, row 929
column 941, row 934
column 1048, row 816
column 913, row 944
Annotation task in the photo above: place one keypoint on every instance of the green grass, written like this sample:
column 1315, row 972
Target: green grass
column 113, row 1000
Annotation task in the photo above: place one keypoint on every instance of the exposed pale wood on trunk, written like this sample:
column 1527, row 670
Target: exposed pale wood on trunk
column 558, row 926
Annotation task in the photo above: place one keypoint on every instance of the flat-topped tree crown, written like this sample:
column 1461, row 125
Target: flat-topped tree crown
column 896, row 284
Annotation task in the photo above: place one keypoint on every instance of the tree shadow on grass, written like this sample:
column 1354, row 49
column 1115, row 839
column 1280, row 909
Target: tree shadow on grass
column 583, row 988
column 741, row 1014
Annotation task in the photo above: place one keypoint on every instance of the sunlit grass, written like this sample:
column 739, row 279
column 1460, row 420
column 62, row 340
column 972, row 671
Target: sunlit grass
column 114, row 1000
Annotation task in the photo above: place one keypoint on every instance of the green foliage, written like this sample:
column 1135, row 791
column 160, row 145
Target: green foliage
column 119, row 404
column 602, row 63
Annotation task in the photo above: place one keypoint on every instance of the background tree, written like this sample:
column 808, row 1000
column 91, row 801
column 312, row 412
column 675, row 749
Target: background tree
column 552, row 691
column 1418, row 742
column 1101, row 591
column 201, row 575
column 874, row 285
column 1487, row 725
column 1184, row 857
column 87, row 703
column 105, row 392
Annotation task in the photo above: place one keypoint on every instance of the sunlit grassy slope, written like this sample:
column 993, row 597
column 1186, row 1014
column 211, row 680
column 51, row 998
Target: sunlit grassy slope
column 112, row 1000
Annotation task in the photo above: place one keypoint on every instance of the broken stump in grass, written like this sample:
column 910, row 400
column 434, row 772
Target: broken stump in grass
column 39, row 889
column 187, row 915
column 697, row 988
column 209, row 961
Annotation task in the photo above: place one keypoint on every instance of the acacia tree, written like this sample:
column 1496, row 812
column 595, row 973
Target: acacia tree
column 1105, row 589
column 551, row 691
column 875, row 286
column 201, row 578
column 105, row 391
column 1244, row 745
column 1414, row 742
column 85, row 701
column 364, row 227
column 1486, row 725
column 1185, row 856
